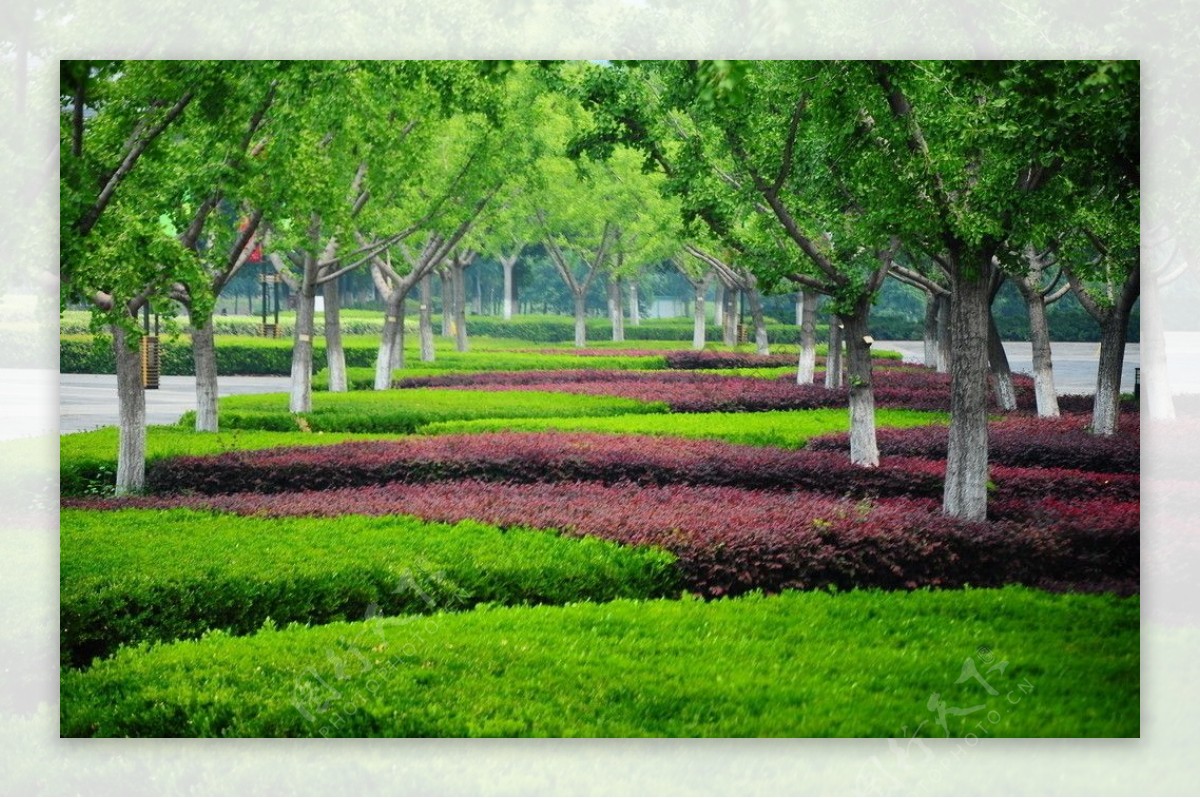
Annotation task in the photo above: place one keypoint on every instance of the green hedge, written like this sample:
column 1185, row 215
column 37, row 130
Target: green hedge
column 789, row 429
column 403, row 411
column 78, row 322
column 859, row 664
column 130, row 576
column 557, row 329
column 248, row 356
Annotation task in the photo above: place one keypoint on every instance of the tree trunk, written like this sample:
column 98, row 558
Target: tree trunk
column 460, row 309
column 729, row 315
column 335, row 354
column 635, row 311
column 719, row 304
column 131, row 405
column 300, row 399
column 616, row 313
column 478, row 293
column 204, row 355
column 426, row 319
column 507, row 264
column 931, row 330
column 1039, row 339
column 1006, row 392
column 863, row 449
column 967, row 451
column 1106, row 406
column 808, row 338
column 391, row 341
column 833, row 360
column 761, row 345
column 447, row 277
column 944, row 336
column 699, row 320
column 580, row 320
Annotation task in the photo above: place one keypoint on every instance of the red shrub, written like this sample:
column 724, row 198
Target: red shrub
column 1019, row 441
column 731, row 540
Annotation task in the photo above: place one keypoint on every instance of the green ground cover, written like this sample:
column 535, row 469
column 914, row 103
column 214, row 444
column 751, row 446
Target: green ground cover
column 145, row 575
column 405, row 411
column 789, row 429
column 864, row 663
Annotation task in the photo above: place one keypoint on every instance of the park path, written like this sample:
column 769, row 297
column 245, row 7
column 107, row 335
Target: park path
column 88, row 401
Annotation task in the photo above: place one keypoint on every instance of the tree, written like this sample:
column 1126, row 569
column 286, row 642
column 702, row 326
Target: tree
column 139, row 140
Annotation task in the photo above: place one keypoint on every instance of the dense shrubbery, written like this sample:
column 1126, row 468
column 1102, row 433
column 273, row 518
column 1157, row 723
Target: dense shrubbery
column 804, row 664
column 732, row 540
column 1051, row 443
column 542, row 457
column 142, row 575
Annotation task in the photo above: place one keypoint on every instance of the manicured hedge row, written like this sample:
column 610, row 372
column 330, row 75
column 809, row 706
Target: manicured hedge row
column 403, row 412
column 557, row 329
column 803, row 664
column 145, row 575
column 271, row 357
column 732, row 540
column 1063, row 442
column 545, row 457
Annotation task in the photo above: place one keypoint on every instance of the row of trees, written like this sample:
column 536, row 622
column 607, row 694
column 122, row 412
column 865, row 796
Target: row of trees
column 827, row 177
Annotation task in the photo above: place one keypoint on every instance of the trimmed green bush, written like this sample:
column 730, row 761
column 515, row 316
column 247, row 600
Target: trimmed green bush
column 146, row 575
column 858, row 664
column 789, row 429
column 403, row 411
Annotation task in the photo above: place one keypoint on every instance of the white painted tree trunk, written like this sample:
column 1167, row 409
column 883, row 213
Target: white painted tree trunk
column 391, row 342
column 699, row 319
column 761, row 345
column 1002, row 381
column 635, row 310
column 719, row 304
column 833, row 359
column 300, row 398
column 131, row 408
column 204, row 355
column 460, row 309
column 616, row 313
column 931, row 330
column 729, row 316
column 507, row 264
column 425, row 322
column 806, row 369
column 944, row 335
column 1043, row 363
column 580, row 320
column 967, row 451
column 864, row 451
column 335, row 354
column 447, row 279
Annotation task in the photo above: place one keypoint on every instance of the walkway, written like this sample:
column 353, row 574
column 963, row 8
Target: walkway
column 88, row 401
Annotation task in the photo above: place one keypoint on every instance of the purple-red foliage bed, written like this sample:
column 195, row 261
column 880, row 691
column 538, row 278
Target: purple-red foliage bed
column 692, row 392
column 732, row 540
column 1063, row 442
column 562, row 456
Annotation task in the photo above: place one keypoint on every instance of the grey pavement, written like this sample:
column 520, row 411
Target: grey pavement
column 88, row 401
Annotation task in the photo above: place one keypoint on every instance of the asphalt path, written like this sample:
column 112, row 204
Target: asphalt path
column 89, row 401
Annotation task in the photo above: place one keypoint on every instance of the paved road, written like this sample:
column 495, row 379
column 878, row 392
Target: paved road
column 88, row 401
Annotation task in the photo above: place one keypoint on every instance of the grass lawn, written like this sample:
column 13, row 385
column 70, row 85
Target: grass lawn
column 789, row 429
